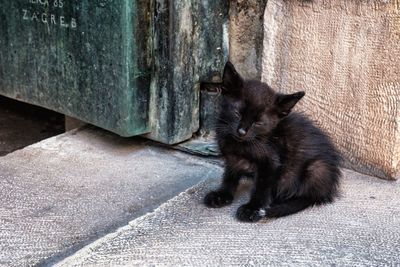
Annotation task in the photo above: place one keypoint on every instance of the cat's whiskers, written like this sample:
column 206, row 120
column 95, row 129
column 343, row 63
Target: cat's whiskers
column 257, row 147
column 224, row 129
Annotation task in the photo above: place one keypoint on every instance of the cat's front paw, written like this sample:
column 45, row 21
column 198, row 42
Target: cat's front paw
column 217, row 199
column 249, row 213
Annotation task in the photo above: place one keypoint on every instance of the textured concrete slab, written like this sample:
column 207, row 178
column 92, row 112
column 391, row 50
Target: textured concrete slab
column 360, row 229
column 62, row 193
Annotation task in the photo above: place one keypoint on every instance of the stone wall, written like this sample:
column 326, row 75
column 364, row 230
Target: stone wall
column 246, row 36
column 346, row 56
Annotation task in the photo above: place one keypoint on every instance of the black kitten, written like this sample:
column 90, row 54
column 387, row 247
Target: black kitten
column 294, row 163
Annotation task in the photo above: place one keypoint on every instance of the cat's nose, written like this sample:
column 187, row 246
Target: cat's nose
column 242, row 132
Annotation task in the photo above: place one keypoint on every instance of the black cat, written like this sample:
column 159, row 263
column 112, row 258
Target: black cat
column 294, row 164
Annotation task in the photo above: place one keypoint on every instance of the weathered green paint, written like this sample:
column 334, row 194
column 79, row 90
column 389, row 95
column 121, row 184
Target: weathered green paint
column 189, row 48
column 209, row 108
column 87, row 59
column 131, row 67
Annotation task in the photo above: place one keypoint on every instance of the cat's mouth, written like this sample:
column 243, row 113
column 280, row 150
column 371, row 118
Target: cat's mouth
column 237, row 138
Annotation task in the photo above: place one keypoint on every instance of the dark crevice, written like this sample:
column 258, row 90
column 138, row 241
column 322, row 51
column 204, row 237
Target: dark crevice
column 22, row 124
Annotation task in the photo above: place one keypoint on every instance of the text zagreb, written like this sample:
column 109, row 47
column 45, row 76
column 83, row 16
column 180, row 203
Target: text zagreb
column 49, row 14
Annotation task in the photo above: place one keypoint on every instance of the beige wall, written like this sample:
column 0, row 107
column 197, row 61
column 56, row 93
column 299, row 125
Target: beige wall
column 346, row 56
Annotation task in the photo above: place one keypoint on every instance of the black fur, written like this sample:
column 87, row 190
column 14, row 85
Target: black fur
column 295, row 165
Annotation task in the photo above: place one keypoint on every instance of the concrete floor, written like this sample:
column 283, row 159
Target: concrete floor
column 360, row 229
column 67, row 191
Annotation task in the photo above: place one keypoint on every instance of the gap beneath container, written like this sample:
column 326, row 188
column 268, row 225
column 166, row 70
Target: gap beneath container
column 23, row 124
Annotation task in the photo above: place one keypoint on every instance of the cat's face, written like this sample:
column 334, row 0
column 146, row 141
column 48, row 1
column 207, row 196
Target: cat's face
column 250, row 110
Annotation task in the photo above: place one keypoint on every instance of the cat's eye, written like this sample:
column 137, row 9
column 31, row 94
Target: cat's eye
column 258, row 123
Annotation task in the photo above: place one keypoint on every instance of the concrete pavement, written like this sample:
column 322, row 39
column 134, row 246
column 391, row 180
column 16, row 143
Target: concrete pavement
column 67, row 191
column 360, row 229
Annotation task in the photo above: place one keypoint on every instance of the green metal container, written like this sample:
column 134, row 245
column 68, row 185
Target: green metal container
column 130, row 66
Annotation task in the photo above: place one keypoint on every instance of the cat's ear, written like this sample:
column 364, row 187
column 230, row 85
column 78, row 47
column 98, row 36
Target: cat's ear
column 285, row 103
column 231, row 80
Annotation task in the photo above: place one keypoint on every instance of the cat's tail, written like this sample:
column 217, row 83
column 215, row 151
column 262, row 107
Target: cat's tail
column 289, row 207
